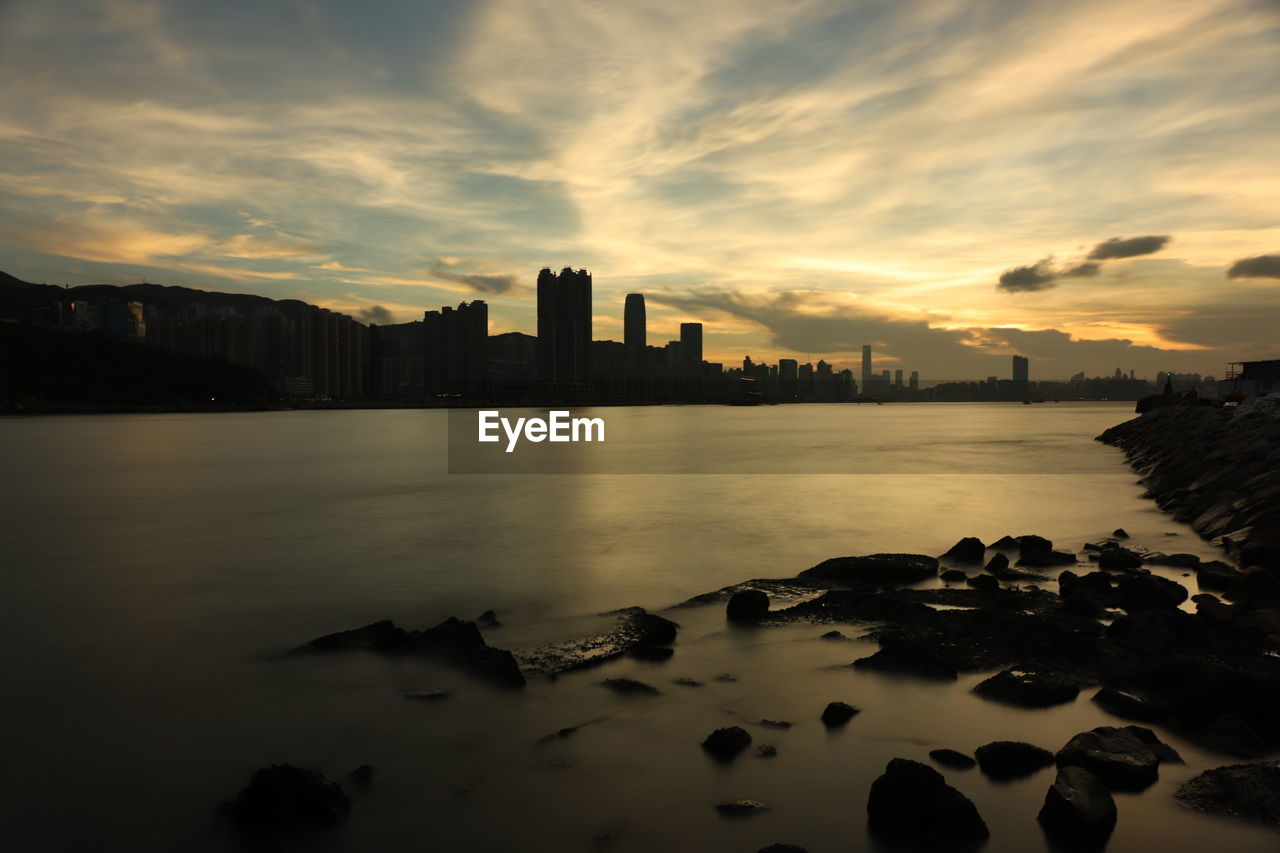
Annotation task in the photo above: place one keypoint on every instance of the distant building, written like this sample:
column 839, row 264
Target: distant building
column 635, row 332
column 564, row 329
column 691, row 339
column 1022, row 375
column 866, row 368
column 1251, row 378
column 914, row 382
column 456, row 350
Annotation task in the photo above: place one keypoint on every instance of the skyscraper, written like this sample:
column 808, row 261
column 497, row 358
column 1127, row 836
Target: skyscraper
column 564, row 328
column 897, row 378
column 691, row 337
column 455, row 362
column 914, row 382
column 634, row 330
column 1021, row 373
column 866, row 368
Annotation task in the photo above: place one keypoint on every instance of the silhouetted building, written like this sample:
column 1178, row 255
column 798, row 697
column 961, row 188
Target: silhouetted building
column 691, row 340
column 564, row 330
column 866, row 368
column 1021, row 376
column 635, row 332
column 913, row 383
column 456, row 348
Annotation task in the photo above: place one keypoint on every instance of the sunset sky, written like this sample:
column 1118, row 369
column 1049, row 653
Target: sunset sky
column 1092, row 184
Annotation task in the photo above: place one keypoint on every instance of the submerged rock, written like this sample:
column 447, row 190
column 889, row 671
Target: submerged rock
column 954, row 575
column 967, row 550
column 983, row 582
column 655, row 654
column 913, row 802
column 1250, row 791
column 1117, row 757
column 953, row 759
column 725, row 744
column 838, row 713
column 874, row 568
column 634, row 628
column 741, row 808
column 1007, row 759
column 629, row 687
column 850, row 605
column 1078, row 808
column 1027, row 689
column 285, row 798
column 453, row 641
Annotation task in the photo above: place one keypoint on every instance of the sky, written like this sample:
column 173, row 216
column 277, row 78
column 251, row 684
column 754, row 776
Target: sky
column 1091, row 184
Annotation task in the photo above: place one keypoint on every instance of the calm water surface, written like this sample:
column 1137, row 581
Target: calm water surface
column 153, row 565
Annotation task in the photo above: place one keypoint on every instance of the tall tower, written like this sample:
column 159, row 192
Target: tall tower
column 691, row 338
column 866, row 368
column 1021, row 374
column 635, row 333
column 564, row 328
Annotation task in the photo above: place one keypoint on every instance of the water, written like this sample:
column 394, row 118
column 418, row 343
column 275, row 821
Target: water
column 153, row 565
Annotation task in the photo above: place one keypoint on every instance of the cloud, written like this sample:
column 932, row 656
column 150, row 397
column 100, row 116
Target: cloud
column 1130, row 247
column 374, row 314
column 442, row 269
column 1037, row 276
column 1262, row 266
column 1084, row 269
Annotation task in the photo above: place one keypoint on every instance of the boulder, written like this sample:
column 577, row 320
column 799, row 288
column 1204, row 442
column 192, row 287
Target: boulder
column 747, row 605
column 1119, row 759
column 741, row 808
column 285, row 798
column 725, row 744
column 1250, row 791
column 838, row 713
column 633, row 628
column 1117, row 558
column 833, row 635
column 1047, row 558
column 1007, row 759
column 1027, row 689
column 1078, row 808
column 1164, row 753
column 1178, row 561
column 1005, row 543
column 985, row 583
column 967, row 550
column 1120, row 533
column 953, row 759
column 1030, row 544
column 1216, row 575
column 1232, row 734
column 874, row 569
column 1138, row 592
column 954, row 575
column 998, row 564
column 913, row 802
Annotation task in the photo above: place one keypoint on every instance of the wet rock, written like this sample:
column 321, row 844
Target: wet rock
column 285, row 798
column 1255, row 585
column 998, row 564
column 967, row 550
column 1250, row 791
column 1005, row 543
column 1178, row 561
column 1116, row 558
column 741, row 808
column 902, row 661
column 1047, row 558
column 850, row 605
column 774, row 724
column 655, row 654
column 1006, row 759
column 727, row 677
column 687, row 682
column 1078, row 808
column 1216, row 575
column 1232, row 734
column 1164, row 753
column 912, row 802
column 766, row 750
column 633, row 628
column 725, row 744
column 1120, row 533
column 1119, row 759
column 874, row 569
column 488, row 619
column 983, row 582
column 833, row 635
column 453, row 641
column 1138, row 592
column 1027, row 689
column 629, row 687
column 954, row 575
column 952, row 758
column 1214, row 612
column 838, row 713
column 427, row 694
column 746, row 606
column 1030, row 544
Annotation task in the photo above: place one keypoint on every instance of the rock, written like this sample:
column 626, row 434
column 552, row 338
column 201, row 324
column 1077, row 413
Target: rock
column 1250, row 791
column 1255, row 585
column 453, row 642
column 912, row 802
column 1116, row 558
column 851, row 605
column 838, row 713
column 1027, row 689
column 833, row 635
column 1046, row 558
column 687, row 682
column 1119, row 759
column 361, row 777
column 561, row 734
column 1178, row 561
column 427, row 694
column 727, row 677
column 1120, row 533
column 952, row 758
column 746, row 606
column 998, row 564
column 488, row 619
column 954, row 575
column 1078, row 808
column 1005, row 543
column 741, row 808
column 766, row 750
column 1138, row 592
column 1216, row 575
column 775, row 724
column 1164, row 753
column 902, row 661
column 655, row 654
column 633, row 628
column 967, row 550
column 1232, row 734
column 1006, row 759
column 874, row 569
column 725, row 744
column 782, row 848
column 1030, row 544
column 285, row 798
column 1214, row 612
column 983, row 582
column 629, row 687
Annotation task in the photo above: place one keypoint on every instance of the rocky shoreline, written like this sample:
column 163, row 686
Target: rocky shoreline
column 1053, row 625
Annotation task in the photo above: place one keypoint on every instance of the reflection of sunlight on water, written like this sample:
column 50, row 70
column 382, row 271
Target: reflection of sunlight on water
column 153, row 560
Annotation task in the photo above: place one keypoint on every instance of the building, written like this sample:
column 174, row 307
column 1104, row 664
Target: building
column 635, row 331
column 1251, row 378
column 691, row 341
column 866, row 368
column 456, row 351
column 564, row 330
column 1021, row 376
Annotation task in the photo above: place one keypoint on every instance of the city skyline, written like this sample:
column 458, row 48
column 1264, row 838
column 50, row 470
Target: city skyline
column 1086, row 185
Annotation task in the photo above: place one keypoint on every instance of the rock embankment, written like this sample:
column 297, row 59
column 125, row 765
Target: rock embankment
column 1217, row 469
